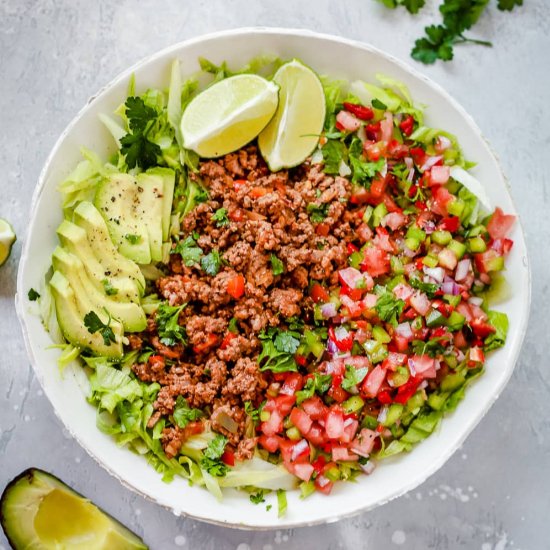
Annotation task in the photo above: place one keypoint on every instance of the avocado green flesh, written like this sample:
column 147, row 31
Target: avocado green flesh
column 88, row 217
column 38, row 511
column 131, row 315
column 137, row 212
column 70, row 311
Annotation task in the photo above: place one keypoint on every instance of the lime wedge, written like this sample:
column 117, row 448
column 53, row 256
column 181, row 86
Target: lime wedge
column 293, row 133
column 228, row 114
column 7, row 238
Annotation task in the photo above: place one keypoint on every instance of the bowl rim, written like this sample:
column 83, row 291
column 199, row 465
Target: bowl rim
column 302, row 33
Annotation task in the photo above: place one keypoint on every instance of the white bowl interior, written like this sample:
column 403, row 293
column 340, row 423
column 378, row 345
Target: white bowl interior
column 327, row 55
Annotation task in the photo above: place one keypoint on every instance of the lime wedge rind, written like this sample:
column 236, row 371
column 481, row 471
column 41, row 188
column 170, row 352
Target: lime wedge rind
column 7, row 238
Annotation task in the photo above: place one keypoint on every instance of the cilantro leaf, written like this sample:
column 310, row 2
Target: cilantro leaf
column 413, row 6
column 508, row 5
column 220, row 217
column 353, row 377
column 169, row 330
column 257, row 498
column 183, row 414
column 320, row 383
column 139, row 114
column 389, row 308
column 317, row 212
column 432, row 347
column 110, row 290
column 211, row 263
column 277, row 265
column 211, row 461
column 189, row 251
column 286, row 342
column 252, row 412
column 334, row 152
column 233, row 326
column 278, row 348
column 377, row 104
column 94, row 324
column 33, row 295
column 139, row 151
column 429, row 288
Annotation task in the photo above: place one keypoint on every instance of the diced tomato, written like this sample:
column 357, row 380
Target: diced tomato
column 343, row 454
column 269, row 443
column 284, row 403
column 322, row 229
column 394, row 360
column 301, row 420
column 157, row 361
column 257, row 192
column 439, row 175
column 315, row 407
column 407, row 390
column 352, row 278
column 373, row 131
column 323, row 484
column 318, row 293
column 360, row 111
column 451, row 223
column 378, row 187
column 397, row 150
column 374, row 150
column 235, row 286
column 334, row 422
column 294, row 382
column 476, row 356
column 459, row 339
column 237, row 215
column 384, row 397
column 394, row 220
column 420, row 302
column 500, row 224
column 338, row 394
column 502, row 246
column 238, row 184
column 484, row 260
column 359, row 195
column 274, row 424
column 376, row 262
column 481, row 328
column 347, row 121
column 316, row 435
column 353, row 306
column 373, row 382
column 424, row 366
column 300, row 359
column 351, row 248
column 304, row 471
column 211, row 339
column 342, row 338
column 228, row 457
column 441, row 198
column 364, row 232
column 407, row 125
column 319, row 464
column 418, row 154
column 227, row 339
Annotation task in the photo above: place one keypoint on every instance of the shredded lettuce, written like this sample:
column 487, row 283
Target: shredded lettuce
column 500, row 322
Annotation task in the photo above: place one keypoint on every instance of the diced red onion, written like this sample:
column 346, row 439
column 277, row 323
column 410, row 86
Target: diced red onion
column 409, row 253
column 436, row 273
column 423, row 384
column 299, row 448
column 450, row 287
column 409, row 163
column 442, row 143
column 331, row 347
column 343, row 169
column 348, row 422
column 404, row 330
column 411, row 366
column 383, row 414
column 362, row 134
column 386, row 127
column 475, row 300
column 350, row 276
column 384, row 170
column 341, row 333
column 328, row 310
column 430, row 161
column 437, row 364
column 460, row 356
column 440, row 175
column 368, row 468
column 462, row 270
column 429, row 227
column 348, row 121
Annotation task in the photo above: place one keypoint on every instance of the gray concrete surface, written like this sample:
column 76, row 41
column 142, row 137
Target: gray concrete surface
column 494, row 493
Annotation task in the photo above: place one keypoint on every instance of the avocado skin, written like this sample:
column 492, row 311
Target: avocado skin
column 28, row 476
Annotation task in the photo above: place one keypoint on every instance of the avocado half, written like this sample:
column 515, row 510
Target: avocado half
column 38, row 511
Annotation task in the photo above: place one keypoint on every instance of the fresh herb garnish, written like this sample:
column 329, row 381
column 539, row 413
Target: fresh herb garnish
column 278, row 349
column 362, row 171
column 252, row 412
column 94, row 324
column 353, row 377
column 189, row 251
column 257, row 498
column 320, row 383
column 132, row 239
column 317, row 212
column 138, row 150
column 432, row 347
column 183, row 413
column 169, row 330
column 334, row 152
column 429, row 288
column 33, row 295
column 220, row 217
column 211, row 461
column 110, row 290
column 233, row 326
column 211, row 263
column 277, row 265
column 377, row 104
column 389, row 308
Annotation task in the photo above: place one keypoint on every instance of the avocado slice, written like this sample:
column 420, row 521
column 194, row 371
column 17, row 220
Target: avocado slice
column 88, row 217
column 70, row 313
column 137, row 212
column 130, row 314
column 37, row 510
column 75, row 240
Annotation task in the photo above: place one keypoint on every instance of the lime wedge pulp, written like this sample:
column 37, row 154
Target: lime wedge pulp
column 7, row 238
column 293, row 132
column 228, row 114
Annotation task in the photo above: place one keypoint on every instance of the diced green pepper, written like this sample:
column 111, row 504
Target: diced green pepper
column 430, row 261
column 416, row 401
column 495, row 264
column 435, row 319
column 412, row 243
column 369, row 422
column 313, row 343
column 477, row 244
column 457, row 247
column 396, row 265
column 456, row 207
column 353, row 404
column 265, row 416
column 452, row 381
column 437, row 400
column 414, row 232
column 394, row 413
column 455, row 321
column 306, row 488
column 355, row 259
column 477, row 230
column 294, row 434
column 376, row 351
column 333, row 474
column 400, row 376
column 368, row 213
column 452, row 300
column 441, row 237
column 380, row 335
column 451, row 360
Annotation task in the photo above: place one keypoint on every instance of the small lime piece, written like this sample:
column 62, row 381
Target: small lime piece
column 294, row 131
column 228, row 114
column 7, row 238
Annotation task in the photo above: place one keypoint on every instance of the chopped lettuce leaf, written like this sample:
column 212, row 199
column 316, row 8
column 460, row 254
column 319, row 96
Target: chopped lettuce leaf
column 497, row 339
column 259, row 473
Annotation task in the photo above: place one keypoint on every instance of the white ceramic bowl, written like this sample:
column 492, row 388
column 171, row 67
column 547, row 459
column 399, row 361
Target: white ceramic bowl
column 328, row 55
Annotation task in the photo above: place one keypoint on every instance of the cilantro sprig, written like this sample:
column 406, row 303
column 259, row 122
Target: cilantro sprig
column 458, row 16
column 278, row 349
column 211, row 461
column 137, row 148
column 183, row 413
column 94, row 324
column 388, row 307
column 168, row 327
column 190, row 252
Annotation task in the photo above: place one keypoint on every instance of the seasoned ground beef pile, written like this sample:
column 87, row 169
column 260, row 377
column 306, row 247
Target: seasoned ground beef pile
column 253, row 219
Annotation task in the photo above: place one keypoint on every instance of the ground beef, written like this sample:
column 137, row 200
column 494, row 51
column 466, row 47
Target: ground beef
column 268, row 220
